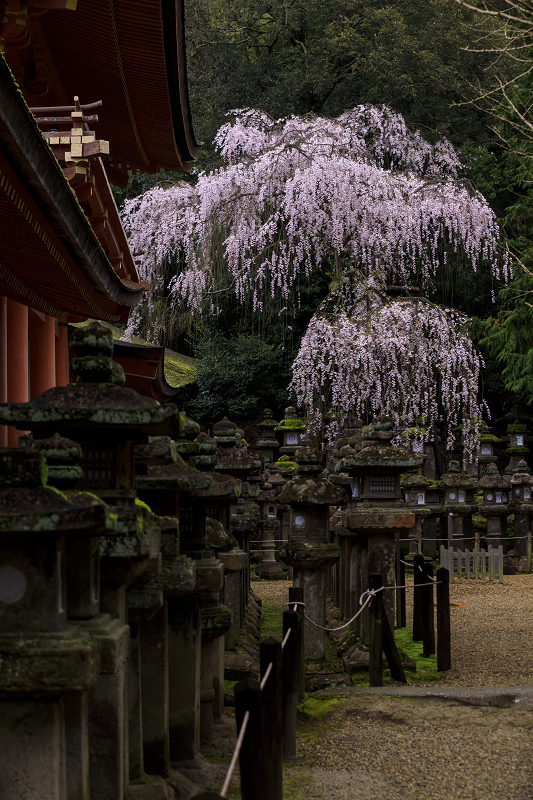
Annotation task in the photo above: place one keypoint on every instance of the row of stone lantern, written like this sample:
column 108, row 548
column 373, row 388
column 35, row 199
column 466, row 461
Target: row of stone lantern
column 111, row 624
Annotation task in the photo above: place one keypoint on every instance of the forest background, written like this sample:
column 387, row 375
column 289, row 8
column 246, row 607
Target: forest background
column 439, row 64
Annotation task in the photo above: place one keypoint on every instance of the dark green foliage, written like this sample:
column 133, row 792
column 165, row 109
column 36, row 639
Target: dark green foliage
column 323, row 56
column 238, row 377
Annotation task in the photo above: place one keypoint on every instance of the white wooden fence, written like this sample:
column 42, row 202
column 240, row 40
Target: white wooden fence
column 476, row 564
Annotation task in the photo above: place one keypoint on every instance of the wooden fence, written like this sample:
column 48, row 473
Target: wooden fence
column 474, row 564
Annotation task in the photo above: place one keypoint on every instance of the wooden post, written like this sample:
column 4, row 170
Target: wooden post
column 248, row 698
column 271, row 719
column 529, row 552
column 375, row 667
column 292, row 654
column 403, row 603
column 398, row 565
column 491, row 563
column 428, row 616
column 500, row 563
column 418, row 565
column 296, row 595
column 443, row 620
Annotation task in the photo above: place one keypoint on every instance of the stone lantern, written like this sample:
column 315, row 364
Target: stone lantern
column 521, row 498
column 517, row 440
column 292, row 430
column 48, row 665
column 308, row 550
column 108, row 421
column 373, row 519
column 486, row 443
column 415, row 488
column 495, row 507
column 268, row 443
column 458, row 503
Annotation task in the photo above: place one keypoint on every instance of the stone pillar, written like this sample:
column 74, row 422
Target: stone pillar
column 135, row 724
column 216, row 620
column 235, row 562
column 77, row 745
column 143, row 605
column 431, row 545
column 309, row 563
column 455, row 531
column 313, row 582
column 32, row 744
column 107, row 709
column 496, row 530
column 154, row 692
column 521, row 528
column 382, row 559
column 184, row 677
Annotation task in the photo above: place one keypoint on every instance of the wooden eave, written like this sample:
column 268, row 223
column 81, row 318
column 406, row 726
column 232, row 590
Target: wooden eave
column 130, row 55
column 50, row 258
column 144, row 367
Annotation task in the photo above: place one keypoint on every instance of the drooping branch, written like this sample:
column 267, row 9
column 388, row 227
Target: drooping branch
column 390, row 356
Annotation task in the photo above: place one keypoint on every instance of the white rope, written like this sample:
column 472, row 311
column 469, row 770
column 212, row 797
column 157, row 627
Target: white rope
column 266, row 676
column 236, row 752
column 369, row 592
column 286, row 638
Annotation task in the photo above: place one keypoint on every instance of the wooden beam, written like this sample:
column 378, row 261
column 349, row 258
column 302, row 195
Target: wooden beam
column 65, row 109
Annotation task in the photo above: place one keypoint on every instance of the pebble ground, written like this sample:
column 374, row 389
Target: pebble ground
column 425, row 748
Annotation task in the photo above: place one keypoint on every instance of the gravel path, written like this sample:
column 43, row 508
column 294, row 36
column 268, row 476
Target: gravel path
column 434, row 749
column 492, row 630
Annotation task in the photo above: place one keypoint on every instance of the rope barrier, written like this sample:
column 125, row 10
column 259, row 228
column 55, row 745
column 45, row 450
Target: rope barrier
column 235, row 755
column 266, row 675
column 286, row 638
column 370, row 593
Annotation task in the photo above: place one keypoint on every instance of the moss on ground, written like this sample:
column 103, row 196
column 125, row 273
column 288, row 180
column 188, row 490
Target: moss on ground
column 271, row 620
column 426, row 668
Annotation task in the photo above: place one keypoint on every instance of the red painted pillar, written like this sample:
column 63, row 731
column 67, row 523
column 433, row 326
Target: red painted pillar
column 42, row 333
column 17, row 360
column 3, row 364
column 62, row 359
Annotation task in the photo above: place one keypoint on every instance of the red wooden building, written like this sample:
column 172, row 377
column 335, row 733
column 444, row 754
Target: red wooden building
column 89, row 89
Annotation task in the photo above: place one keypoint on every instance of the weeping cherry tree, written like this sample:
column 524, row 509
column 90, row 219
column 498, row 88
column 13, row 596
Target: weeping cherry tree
column 368, row 201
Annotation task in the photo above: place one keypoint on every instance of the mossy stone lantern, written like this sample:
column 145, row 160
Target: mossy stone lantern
column 378, row 465
column 373, row 519
column 496, row 487
column 458, row 503
column 309, row 551
column 292, row 430
column 521, row 484
column 47, row 665
column 517, row 439
column 522, row 505
column 268, row 443
column 496, row 490
column 104, row 417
